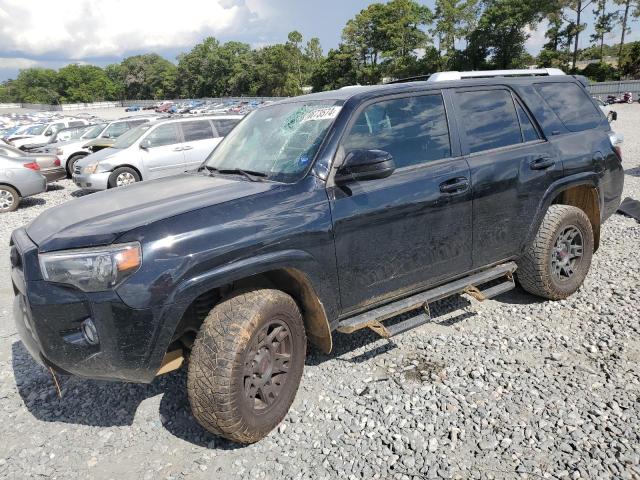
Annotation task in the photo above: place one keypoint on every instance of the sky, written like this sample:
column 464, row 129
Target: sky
column 52, row 34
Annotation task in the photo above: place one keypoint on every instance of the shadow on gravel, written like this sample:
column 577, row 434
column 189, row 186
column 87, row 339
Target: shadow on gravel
column 634, row 172
column 518, row 296
column 80, row 193
column 108, row 404
column 52, row 187
column 31, row 202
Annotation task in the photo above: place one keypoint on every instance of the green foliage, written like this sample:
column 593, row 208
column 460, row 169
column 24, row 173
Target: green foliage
column 600, row 72
column 630, row 65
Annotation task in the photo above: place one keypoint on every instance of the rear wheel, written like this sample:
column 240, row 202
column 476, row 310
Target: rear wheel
column 9, row 199
column 246, row 364
column 557, row 261
column 122, row 177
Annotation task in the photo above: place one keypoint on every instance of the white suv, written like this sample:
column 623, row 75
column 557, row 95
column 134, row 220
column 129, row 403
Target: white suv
column 42, row 132
column 153, row 150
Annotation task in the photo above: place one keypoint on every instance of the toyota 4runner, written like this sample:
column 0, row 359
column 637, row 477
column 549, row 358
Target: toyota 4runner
column 330, row 211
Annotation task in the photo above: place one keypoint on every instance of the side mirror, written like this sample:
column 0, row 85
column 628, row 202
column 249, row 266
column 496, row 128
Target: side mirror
column 362, row 164
column 48, row 133
column 145, row 144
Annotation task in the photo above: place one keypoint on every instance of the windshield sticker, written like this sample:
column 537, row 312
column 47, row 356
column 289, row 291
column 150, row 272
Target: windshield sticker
column 325, row 113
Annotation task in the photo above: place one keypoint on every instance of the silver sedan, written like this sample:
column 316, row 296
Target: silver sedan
column 17, row 182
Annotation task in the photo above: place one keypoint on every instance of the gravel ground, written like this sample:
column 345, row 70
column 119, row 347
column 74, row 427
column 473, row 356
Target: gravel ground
column 510, row 388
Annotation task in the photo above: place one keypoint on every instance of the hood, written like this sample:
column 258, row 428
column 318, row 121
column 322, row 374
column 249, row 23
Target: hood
column 100, row 155
column 101, row 142
column 100, row 218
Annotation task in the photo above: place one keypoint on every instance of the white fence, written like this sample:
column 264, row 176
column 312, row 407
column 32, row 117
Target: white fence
column 602, row 89
column 10, row 105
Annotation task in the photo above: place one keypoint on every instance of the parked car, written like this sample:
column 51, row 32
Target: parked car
column 44, row 131
column 133, row 108
column 18, row 182
column 63, row 135
column 331, row 211
column 164, row 107
column 101, row 136
column 48, row 165
column 153, row 150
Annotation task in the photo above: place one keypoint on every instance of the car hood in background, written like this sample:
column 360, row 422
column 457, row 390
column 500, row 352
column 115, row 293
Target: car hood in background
column 100, row 218
column 100, row 142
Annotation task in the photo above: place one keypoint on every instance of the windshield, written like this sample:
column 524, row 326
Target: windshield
column 279, row 141
column 129, row 137
column 93, row 131
column 35, row 130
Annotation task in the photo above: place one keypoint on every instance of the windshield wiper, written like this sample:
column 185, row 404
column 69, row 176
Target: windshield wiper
column 250, row 174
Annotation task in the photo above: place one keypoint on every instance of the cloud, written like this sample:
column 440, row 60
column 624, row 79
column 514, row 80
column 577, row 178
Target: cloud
column 90, row 29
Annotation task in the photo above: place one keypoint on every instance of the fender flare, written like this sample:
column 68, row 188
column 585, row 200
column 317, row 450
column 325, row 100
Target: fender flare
column 590, row 179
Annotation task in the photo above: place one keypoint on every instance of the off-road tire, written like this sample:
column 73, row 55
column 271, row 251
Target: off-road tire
column 130, row 172
column 535, row 272
column 11, row 196
column 71, row 163
column 219, row 358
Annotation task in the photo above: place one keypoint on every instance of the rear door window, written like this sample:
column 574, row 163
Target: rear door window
column 115, row 130
column 489, row 119
column 413, row 130
column 529, row 132
column 196, row 130
column 135, row 123
column 571, row 104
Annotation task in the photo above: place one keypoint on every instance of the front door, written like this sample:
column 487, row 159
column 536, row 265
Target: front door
column 163, row 154
column 413, row 228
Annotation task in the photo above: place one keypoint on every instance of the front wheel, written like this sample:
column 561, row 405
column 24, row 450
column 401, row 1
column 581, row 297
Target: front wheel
column 122, row 177
column 556, row 263
column 246, row 364
column 9, row 199
column 71, row 164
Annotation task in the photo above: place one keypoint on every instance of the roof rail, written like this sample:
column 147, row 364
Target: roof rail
column 445, row 76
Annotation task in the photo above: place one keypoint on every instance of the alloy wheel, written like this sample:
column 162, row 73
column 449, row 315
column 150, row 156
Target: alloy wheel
column 567, row 253
column 6, row 199
column 125, row 178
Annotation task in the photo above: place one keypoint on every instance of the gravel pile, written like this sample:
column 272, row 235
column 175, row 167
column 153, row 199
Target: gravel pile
column 508, row 388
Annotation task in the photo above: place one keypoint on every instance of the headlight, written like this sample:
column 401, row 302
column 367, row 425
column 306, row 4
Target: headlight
column 92, row 269
column 90, row 168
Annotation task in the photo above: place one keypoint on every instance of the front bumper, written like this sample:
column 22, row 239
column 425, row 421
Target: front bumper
column 93, row 181
column 49, row 316
column 54, row 174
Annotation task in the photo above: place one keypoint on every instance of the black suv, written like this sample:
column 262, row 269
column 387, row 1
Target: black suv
column 330, row 211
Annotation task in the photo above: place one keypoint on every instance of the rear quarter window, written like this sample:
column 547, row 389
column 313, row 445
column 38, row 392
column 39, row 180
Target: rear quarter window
column 571, row 104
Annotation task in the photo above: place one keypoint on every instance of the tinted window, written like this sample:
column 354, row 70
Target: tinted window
column 572, row 105
column 489, row 119
column 76, row 123
column 166, row 134
column 115, row 130
column 197, row 130
column 225, row 125
column 413, row 130
column 529, row 132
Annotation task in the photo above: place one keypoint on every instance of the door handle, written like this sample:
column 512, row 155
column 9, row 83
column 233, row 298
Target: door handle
column 178, row 149
column 188, row 147
column 455, row 185
column 542, row 163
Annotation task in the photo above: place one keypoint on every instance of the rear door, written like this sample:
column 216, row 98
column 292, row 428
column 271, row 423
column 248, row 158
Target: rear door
column 511, row 166
column 397, row 234
column 199, row 140
column 163, row 155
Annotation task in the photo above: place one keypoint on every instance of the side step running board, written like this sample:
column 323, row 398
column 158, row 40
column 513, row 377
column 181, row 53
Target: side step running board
column 373, row 318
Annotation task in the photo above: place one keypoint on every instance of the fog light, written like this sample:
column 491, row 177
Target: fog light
column 89, row 331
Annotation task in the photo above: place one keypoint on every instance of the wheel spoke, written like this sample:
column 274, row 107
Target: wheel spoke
column 281, row 363
column 575, row 251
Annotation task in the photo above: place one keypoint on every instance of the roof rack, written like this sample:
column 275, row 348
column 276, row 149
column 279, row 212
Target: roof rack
column 525, row 72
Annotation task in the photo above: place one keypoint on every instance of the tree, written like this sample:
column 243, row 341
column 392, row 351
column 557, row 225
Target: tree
column 278, row 76
column 84, row 84
column 148, row 76
column 294, row 43
column 631, row 10
column 578, row 6
column 338, row 69
column 603, row 24
column 453, row 19
column 630, row 61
